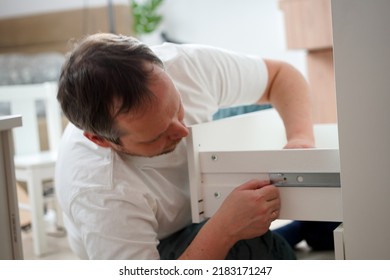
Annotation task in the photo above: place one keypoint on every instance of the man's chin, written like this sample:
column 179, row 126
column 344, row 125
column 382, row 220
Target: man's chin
column 168, row 150
column 164, row 152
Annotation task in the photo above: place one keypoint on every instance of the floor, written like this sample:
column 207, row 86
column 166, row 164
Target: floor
column 303, row 251
column 56, row 240
column 59, row 249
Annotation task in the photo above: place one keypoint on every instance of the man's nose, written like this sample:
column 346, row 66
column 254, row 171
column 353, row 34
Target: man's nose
column 178, row 130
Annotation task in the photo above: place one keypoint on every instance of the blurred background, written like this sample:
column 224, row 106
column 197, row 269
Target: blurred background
column 249, row 26
column 36, row 35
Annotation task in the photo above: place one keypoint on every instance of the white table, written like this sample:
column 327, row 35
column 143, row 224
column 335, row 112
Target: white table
column 10, row 236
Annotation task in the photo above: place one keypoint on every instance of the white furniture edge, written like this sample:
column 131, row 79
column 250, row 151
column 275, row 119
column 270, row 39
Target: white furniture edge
column 10, row 235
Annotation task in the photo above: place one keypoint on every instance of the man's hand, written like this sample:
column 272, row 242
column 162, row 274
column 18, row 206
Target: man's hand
column 299, row 143
column 248, row 210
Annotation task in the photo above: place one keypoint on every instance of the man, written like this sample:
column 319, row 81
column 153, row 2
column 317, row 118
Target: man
column 122, row 177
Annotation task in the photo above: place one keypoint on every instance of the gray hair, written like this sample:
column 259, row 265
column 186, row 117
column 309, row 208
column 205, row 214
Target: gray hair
column 102, row 72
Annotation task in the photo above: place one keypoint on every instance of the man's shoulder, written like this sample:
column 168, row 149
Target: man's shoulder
column 78, row 151
column 171, row 52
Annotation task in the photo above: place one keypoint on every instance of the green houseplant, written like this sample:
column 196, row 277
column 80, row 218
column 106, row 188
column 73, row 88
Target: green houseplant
column 146, row 17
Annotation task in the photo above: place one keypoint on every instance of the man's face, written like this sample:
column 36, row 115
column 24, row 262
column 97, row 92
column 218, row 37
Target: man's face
column 155, row 129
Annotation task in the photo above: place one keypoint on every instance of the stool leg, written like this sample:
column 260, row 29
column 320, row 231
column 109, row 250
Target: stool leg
column 59, row 215
column 35, row 192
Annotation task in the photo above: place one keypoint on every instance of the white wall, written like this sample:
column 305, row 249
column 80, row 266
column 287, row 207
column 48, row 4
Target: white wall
column 249, row 26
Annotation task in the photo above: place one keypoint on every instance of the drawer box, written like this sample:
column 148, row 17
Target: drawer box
column 226, row 153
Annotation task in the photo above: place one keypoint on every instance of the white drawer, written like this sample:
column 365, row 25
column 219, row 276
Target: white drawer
column 224, row 154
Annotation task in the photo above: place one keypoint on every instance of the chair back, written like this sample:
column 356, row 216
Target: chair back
column 27, row 100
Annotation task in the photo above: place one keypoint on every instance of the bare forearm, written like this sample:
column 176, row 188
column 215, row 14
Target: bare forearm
column 211, row 243
column 288, row 93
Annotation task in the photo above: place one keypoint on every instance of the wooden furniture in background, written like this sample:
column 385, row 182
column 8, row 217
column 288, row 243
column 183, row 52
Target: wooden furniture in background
column 308, row 25
column 51, row 32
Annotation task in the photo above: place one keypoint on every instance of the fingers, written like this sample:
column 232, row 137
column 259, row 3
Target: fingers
column 273, row 211
column 272, row 202
column 269, row 192
column 265, row 194
column 254, row 184
column 250, row 209
column 274, row 214
column 267, row 197
column 299, row 143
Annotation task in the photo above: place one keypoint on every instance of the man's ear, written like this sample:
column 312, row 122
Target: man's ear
column 98, row 140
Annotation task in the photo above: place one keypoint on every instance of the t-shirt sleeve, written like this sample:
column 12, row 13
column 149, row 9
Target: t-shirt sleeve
column 232, row 78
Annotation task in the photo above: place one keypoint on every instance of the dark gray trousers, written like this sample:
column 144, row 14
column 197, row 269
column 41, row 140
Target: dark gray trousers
column 269, row 246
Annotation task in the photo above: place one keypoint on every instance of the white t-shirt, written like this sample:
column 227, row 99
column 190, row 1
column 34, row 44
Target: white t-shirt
column 118, row 206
